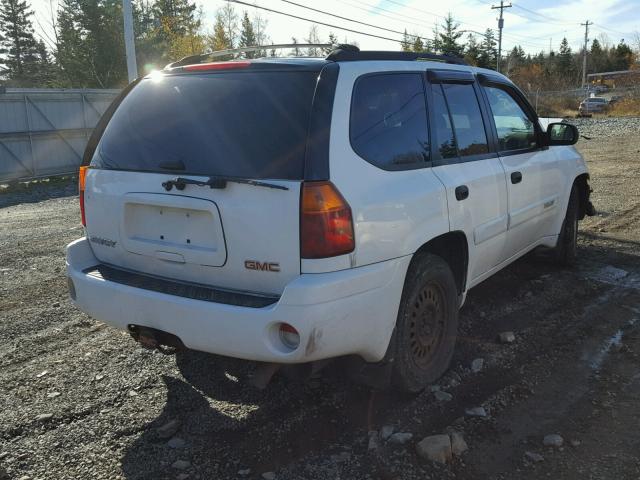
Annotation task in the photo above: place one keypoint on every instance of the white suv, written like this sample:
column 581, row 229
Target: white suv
column 290, row 210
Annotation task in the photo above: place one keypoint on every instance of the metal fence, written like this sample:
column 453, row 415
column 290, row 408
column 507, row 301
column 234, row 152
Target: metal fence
column 43, row 132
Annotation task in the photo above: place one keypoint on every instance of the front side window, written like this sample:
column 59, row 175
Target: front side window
column 388, row 124
column 515, row 129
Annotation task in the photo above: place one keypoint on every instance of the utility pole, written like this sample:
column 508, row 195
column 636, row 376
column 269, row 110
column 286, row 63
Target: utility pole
column 130, row 46
column 500, row 25
column 584, row 58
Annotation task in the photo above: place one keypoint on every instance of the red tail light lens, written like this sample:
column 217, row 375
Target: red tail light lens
column 82, row 173
column 326, row 226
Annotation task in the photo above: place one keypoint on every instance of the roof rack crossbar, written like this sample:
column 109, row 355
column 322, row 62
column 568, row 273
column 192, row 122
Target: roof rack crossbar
column 191, row 59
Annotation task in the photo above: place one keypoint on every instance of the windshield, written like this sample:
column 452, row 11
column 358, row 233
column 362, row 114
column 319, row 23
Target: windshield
column 241, row 124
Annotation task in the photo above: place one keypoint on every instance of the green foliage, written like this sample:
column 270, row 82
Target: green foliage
column 247, row 35
column 488, row 50
column 25, row 61
column 448, row 37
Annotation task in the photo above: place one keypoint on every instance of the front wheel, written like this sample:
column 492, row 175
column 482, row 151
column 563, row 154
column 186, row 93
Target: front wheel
column 427, row 324
column 567, row 246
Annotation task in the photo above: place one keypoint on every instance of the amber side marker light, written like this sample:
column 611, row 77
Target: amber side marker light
column 82, row 175
column 326, row 225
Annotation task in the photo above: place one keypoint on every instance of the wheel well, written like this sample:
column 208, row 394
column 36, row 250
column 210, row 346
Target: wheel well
column 582, row 182
column 452, row 247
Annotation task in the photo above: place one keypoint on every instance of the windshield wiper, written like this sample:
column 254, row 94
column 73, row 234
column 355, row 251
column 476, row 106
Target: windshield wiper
column 217, row 182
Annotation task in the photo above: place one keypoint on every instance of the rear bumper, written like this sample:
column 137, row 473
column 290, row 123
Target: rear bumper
column 339, row 313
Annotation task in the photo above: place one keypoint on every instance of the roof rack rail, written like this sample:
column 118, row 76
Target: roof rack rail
column 191, row 59
column 351, row 53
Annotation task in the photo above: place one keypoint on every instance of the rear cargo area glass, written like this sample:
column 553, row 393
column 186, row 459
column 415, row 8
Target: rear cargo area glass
column 240, row 124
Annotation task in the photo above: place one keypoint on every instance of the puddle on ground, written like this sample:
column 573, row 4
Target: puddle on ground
column 615, row 276
column 597, row 358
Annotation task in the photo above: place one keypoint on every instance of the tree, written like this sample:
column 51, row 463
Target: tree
column 418, row 45
column 296, row 51
column 448, row 38
column 230, row 21
column 472, row 50
column 219, row 39
column 313, row 37
column 405, row 44
column 90, row 48
column 488, row 51
column 333, row 43
column 22, row 54
column 247, row 35
column 178, row 23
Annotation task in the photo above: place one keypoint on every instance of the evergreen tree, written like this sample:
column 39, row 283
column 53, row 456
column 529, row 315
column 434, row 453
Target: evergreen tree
column 21, row 52
column 418, row 45
column 448, row 38
column 90, row 48
column 405, row 44
column 219, row 40
column 472, row 50
column 247, row 35
column 333, row 42
column 564, row 54
column 488, row 51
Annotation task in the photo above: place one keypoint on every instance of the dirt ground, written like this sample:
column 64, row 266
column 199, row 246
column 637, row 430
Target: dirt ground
column 80, row 400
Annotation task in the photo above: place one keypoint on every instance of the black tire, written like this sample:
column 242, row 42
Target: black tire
column 566, row 248
column 425, row 333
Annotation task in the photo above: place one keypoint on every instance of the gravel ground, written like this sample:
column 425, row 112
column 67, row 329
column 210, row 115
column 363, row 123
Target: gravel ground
column 81, row 400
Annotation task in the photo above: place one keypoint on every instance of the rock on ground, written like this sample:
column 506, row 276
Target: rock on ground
column 476, row 412
column 552, row 440
column 436, row 448
column 507, row 337
column 458, row 445
column 400, row 438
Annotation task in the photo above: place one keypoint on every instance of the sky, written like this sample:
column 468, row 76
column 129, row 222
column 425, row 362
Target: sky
column 532, row 24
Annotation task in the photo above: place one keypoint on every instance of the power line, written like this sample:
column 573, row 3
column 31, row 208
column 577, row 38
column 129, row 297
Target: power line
column 546, row 17
column 239, row 2
column 610, row 29
column 462, row 23
column 351, row 20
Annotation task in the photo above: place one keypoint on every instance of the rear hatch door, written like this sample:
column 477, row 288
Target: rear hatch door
column 149, row 202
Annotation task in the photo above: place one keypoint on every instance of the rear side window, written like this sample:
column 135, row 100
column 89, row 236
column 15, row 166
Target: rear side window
column 240, row 124
column 515, row 129
column 388, row 124
column 468, row 126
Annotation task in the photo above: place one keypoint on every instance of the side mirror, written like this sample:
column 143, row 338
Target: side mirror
column 562, row 134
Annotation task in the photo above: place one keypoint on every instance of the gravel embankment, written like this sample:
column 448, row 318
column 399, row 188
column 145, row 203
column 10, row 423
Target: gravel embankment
column 599, row 127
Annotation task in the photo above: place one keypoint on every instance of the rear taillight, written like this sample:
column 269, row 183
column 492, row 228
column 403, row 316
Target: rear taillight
column 326, row 226
column 82, row 173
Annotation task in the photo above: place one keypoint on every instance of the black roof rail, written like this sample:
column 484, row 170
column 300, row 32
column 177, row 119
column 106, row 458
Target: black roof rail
column 351, row 53
column 201, row 57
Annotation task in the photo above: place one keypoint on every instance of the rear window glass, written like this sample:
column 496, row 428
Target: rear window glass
column 241, row 124
column 389, row 120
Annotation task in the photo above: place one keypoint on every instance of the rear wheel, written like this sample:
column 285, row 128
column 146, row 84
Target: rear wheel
column 566, row 248
column 427, row 324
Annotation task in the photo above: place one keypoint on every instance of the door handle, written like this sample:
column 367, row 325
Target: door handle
column 462, row 192
column 516, row 177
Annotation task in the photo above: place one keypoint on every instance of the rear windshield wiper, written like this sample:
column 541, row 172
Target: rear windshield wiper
column 218, row 182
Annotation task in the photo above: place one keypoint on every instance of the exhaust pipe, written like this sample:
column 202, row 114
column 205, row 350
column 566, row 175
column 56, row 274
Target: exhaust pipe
column 153, row 339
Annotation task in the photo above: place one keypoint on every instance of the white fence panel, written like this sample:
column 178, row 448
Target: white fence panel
column 43, row 132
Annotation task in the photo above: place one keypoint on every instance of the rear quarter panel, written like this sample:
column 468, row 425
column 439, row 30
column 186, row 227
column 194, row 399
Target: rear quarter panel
column 394, row 212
